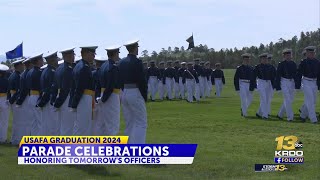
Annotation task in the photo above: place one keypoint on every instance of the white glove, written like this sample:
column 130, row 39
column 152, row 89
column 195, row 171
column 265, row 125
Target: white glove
column 98, row 100
column 73, row 110
column 238, row 92
column 18, row 106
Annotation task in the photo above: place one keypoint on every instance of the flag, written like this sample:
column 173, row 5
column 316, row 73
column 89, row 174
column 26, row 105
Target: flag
column 15, row 53
column 191, row 42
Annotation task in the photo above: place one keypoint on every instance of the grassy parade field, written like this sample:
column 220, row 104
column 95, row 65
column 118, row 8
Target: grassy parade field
column 228, row 145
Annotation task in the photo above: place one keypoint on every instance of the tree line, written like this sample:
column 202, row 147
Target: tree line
column 231, row 57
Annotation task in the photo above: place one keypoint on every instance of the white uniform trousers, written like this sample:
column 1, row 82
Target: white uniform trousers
column 190, row 84
column 181, row 88
column 50, row 120
column 210, row 85
column 219, row 85
column 36, row 116
column 83, row 121
column 67, row 119
column 153, row 82
column 176, row 89
column 26, row 118
column 201, row 85
column 98, row 126
column 245, row 96
column 309, row 88
column 109, row 112
column 265, row 91
column 162, row 89
column 20, row 124
column 135, row 115
column 288, row 89
column 169, row 87
column 4, row 118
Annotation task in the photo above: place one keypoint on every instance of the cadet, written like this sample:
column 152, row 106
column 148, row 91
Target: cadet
column 13, row 93
column 303, row 107
column 63, row 79
column 135, row 89
column 309, row 77
column 33, row 84
column 218, row 79
column 190, row 78
column 176, row 79
column 207, row 73
column 153, row 74
column 272, row 63
column 96, row 83
column 168, row 79
column 161, row 85
column 145, row 71
column 4, row 104
column 181, row 83
column 265, row 74
column 48, row 94
column 198, row 69
column 285, row 81
column 244, row 83
column 22, row 102
column 109, row 102
column 83, row 98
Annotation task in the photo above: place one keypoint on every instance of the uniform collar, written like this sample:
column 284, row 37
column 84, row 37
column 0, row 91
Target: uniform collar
column 85, row 62
column 132, row 55
column 17, row 72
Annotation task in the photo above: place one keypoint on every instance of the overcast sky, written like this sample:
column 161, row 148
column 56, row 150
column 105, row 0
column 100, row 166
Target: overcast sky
column 58, row 24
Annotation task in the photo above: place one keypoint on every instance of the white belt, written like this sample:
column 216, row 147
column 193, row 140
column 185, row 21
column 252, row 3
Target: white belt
column 263, row 80
column 309, row 79
column 244, row 80
column 285, row 79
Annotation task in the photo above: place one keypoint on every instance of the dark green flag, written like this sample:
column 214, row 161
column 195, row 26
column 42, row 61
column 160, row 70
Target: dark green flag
column 191, row 42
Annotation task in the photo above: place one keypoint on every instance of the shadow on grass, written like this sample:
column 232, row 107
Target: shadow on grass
column 155, row 166
column 98, row 170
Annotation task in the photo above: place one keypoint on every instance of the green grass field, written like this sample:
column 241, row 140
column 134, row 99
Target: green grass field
column 228, row 145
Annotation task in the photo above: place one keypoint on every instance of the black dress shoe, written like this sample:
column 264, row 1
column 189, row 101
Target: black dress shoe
column 258, row 115
column 264, row 118
column 303, row 119
column 315, row 122
column 290, row 120
column 279, row 117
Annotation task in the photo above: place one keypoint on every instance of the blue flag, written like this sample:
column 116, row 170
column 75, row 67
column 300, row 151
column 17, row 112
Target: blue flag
column 15, row 53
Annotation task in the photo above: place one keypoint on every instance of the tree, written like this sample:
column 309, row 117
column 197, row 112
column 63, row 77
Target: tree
column 145, row 53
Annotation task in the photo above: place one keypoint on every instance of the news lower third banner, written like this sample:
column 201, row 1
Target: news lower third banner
column 36, row 150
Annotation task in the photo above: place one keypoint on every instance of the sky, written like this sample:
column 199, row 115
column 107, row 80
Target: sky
column 54, row 25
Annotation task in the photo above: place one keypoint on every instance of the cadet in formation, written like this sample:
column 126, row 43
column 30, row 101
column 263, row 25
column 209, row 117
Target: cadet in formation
column 168, row 80
column 83, row 99
column 135, row 92
column 33, row 85
column 161, row 84
column 18, row 123
column 64, row 81
column 244, row 83
column 4, row 104
column 285, row 82
column 182, row 87
column 190, row 78
column 308, row 78
column 176, row 67
column 48, row 93
column 265, row 74
column 218, row 79
column 152, row 77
